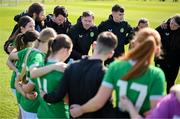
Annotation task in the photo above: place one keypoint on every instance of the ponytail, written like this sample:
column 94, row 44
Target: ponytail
column 61, row 41
column 23, row 39
column 49, row 50
column 147, row 41
column 143, row 58
column 19, row 43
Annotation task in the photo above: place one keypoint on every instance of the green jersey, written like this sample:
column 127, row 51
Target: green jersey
column 35, row 59
column 13, row 78
column 49, row 83
column 140, row 90
column 21, row 54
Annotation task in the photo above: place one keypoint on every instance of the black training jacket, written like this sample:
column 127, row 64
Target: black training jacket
column 170, row 44
column 60, row 29
column 82, row 39
column 122, row 30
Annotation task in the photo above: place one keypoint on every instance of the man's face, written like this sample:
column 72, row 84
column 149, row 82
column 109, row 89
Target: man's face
column 174, row 25
column 142, row 25
column 87, row 22
column 118, row 16
column 59, row 19
column 41, row 16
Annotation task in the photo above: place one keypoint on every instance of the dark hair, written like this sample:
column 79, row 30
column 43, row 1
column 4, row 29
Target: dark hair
column 142, row 20
column 22, row 39
column 87, row 14
column 117, row 8
column 60, row 10
column 35, row 8
column 177, row 19
column 61, row 41
column 23, row 21
column 106, row 41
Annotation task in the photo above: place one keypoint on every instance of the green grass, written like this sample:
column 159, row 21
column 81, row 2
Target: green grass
column 155, row 11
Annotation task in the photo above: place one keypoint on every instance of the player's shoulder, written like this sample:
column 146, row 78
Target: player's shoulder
column 155, row 69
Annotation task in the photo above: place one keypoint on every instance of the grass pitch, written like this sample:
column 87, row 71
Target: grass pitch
column 153, row 10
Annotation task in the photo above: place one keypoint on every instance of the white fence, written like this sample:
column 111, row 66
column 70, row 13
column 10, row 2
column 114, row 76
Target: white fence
column 11, row 3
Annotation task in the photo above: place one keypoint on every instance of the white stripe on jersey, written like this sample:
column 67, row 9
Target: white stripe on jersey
column 155, row 97
column 106, row 84
column 33, row 65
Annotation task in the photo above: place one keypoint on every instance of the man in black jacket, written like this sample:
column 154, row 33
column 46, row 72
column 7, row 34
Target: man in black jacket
column 119, row 27
column 83, row 33
column 83, row 78
column 170, row 38
column 142, row 23
column 58, row 20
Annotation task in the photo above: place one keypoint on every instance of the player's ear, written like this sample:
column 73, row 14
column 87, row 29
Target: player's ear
column 94, row 45
column 110, row 54
column 22, row 29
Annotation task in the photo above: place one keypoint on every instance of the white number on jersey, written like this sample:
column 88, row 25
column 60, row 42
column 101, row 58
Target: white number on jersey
column 142, row 89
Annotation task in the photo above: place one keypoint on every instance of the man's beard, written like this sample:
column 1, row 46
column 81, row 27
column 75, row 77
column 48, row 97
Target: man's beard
column 38, row 19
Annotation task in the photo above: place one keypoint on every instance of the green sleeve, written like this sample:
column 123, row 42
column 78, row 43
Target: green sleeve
column 158, row 85
column 108, row 79
column 21, row 54
column 35, row 60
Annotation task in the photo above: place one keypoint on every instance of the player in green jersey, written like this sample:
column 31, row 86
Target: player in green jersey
column 34, row 60
column 58, row 51
column 131, row 76
column 23, row 40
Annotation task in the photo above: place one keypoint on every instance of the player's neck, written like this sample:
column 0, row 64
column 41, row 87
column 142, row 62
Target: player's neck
column 42, row 47
column 98, row 56
column 56, row 57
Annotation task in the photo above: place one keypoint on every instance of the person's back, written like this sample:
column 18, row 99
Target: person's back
column 58, row 51
column 131, row 76
column 49, row 83
column 167, row 108
column 34, row 59
column 82, row 79
column 84, row 84
column 140, row 89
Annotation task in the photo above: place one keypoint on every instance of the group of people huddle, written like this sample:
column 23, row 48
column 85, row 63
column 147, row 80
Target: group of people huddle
column 53, row 76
